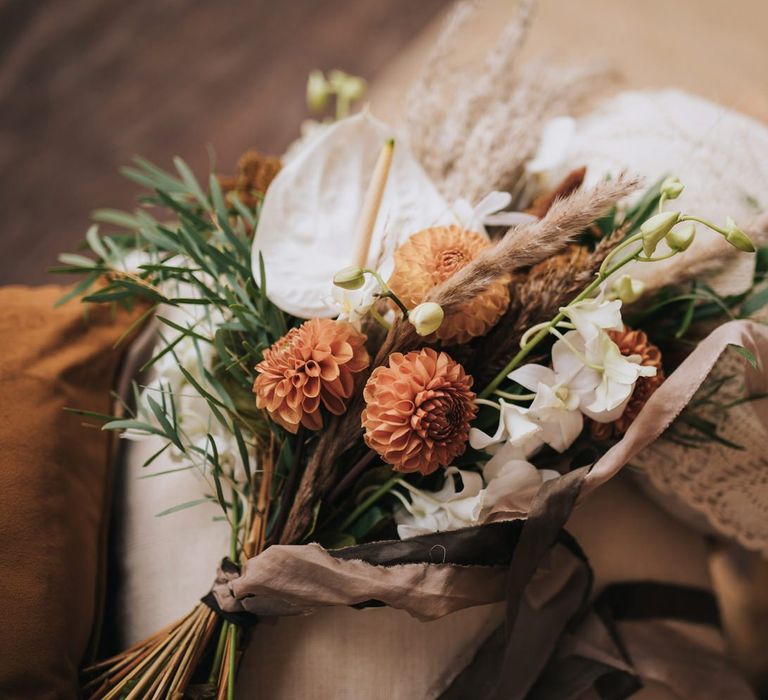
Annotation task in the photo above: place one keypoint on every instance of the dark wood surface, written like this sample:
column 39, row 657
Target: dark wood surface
column 87, row 84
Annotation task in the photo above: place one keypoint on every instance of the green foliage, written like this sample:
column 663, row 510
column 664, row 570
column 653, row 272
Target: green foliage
column 673, row 313
column 699, row 423
column 188, row 249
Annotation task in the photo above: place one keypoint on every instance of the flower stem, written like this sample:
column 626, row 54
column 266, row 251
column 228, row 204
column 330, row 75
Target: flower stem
column 629, row 241
column 368, row 502
column 216, row 667
column 527, row 347
column 706, row 223
column 379, row 319
column 232, row 659
column 514, row 397
column 351, row 476
column 386, row 292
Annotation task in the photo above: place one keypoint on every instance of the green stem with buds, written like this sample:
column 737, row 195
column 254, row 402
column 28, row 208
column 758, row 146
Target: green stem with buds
column 604, row 273
column 386, row 292
column 706, row 223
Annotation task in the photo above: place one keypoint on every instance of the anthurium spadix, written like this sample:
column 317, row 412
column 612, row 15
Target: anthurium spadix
column 309, row 219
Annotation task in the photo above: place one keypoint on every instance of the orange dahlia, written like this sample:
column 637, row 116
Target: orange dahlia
column 431, row 256
column 418, row 410
column 309, row 367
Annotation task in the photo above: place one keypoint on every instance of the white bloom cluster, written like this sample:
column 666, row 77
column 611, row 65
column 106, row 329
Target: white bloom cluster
column 589, row 377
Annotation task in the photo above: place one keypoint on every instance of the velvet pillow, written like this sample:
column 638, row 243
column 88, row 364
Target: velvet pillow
column 54, row 485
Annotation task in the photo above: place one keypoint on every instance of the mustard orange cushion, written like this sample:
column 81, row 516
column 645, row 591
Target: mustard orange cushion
column 54, row 485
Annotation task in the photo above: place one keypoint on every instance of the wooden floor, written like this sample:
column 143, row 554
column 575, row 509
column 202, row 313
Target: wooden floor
column 86, row 84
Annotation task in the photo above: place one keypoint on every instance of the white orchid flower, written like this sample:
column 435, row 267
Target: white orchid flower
column 487, row 212
column 619, row 375
column 516, row 429
column 555, row 407
column 590, row 316
column 598, row 373
column 446, row 509
column 353, row 304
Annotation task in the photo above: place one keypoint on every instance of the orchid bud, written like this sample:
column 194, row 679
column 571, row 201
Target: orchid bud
column 737, row 238
column 627, row 289
column 348, row 87
column 656, row 228
column 680, row 239
column 351, row 277
column 318, row 91
column 426, row 318
column 672, row 188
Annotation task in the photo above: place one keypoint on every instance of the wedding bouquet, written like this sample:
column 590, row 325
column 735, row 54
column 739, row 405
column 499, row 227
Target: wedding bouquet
column 354, row 353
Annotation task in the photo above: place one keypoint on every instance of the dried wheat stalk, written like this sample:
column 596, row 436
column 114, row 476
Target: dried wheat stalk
column 529, row 244
column 473, row 132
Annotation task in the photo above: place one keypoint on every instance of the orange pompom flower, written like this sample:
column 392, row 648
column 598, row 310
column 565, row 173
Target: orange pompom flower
column 310, row 367
column 418, row 410
column 431, row 256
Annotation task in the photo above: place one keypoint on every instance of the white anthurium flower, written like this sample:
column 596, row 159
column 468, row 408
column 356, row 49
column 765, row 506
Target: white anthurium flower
column 555, row 407
column 353, row 304
column 516, row 429
column 446, row 509
column 590, row 316
column 512, row 483
column 487, row 212
column 308, row 225
column 598, row 373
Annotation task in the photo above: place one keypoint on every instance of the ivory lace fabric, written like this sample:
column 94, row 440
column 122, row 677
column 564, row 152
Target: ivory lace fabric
column 728, row 486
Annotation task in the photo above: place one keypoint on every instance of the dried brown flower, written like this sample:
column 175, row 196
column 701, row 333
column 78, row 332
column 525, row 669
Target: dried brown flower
column 632, row 342
column 569, row 184
column 255, row 172
column 430, row 257
column 311, row 366
column 418, row 410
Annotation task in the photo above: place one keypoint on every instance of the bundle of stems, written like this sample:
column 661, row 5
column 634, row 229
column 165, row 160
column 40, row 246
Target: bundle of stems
column 165, row 665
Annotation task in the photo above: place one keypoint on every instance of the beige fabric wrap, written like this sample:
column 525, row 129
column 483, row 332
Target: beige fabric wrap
column 288, row 580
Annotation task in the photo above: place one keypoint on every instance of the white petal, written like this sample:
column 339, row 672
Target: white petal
column 492, row 202
column 600, row 414
column 566, row 363
column 308, row 221
column 560, row 428
column 509, row 218
column 593, row 315
column 546, row 399
column 530, row 376
column 518, row 425
column 480, row 440
column 517, row 484
column 405, row 531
